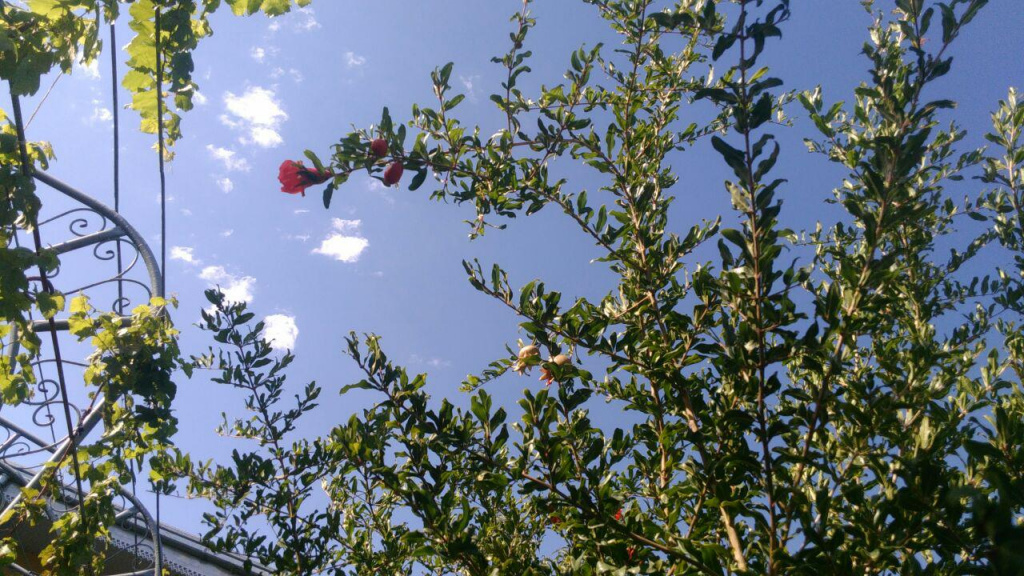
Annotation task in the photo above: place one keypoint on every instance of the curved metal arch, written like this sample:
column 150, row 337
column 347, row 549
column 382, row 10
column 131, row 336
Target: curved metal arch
column 121, row 228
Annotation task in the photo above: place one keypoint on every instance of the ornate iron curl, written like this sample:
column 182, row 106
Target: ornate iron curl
column 47, row 387
column 80, row 225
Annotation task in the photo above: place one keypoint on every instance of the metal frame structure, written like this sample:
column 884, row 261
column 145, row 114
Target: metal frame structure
column 138, row 543
column 24, row 451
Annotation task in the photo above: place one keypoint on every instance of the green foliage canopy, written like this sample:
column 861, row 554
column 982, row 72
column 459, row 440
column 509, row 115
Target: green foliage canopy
column 856, row 409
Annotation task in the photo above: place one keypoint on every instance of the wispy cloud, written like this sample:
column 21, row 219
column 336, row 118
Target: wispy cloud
column 377, row 187
column 295, row 74
column 199, row 99
column 228, row 158
column 258, row 53
column 470, row 84
column 344, row 243
column 256, row 112
column 225, row 184
column 418, row 360
column 305, row 19
column 101, row 115
column 353, row 60
column 301, row 20
column 281, row 331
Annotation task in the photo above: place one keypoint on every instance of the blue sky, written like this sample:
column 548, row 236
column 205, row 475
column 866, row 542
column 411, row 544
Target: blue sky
column 388, row 260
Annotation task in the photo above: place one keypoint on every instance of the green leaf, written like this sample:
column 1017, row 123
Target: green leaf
column 733, row 157
column 49, row 304
column 328, row 195
column 418, row 179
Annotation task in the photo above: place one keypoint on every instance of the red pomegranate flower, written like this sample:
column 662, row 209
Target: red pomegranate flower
column 618, row 515
column 295, row 177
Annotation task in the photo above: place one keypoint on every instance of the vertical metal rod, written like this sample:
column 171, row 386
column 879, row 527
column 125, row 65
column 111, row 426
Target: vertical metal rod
column 163, row 214
column 160, row 147
column 119, row 307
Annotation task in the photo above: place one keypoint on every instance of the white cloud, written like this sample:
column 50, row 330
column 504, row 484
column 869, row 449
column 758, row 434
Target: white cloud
column 258, row 54
column 186, row 212
column 226, row 233
column 235, row 288
column 265, row 137
column 344, row 243
column 281, row 331
column 231, row 164
column 258, row 113
column 225, row 184
column 90, row 70
column 199, row 99
column 353, row 60
column 301, row 211
column 184, row 253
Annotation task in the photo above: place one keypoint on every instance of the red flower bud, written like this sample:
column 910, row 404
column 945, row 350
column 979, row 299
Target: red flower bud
column 379, row 148
column 556, row 520
column 618, row 515
column 295, row 177
column 393, row 173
